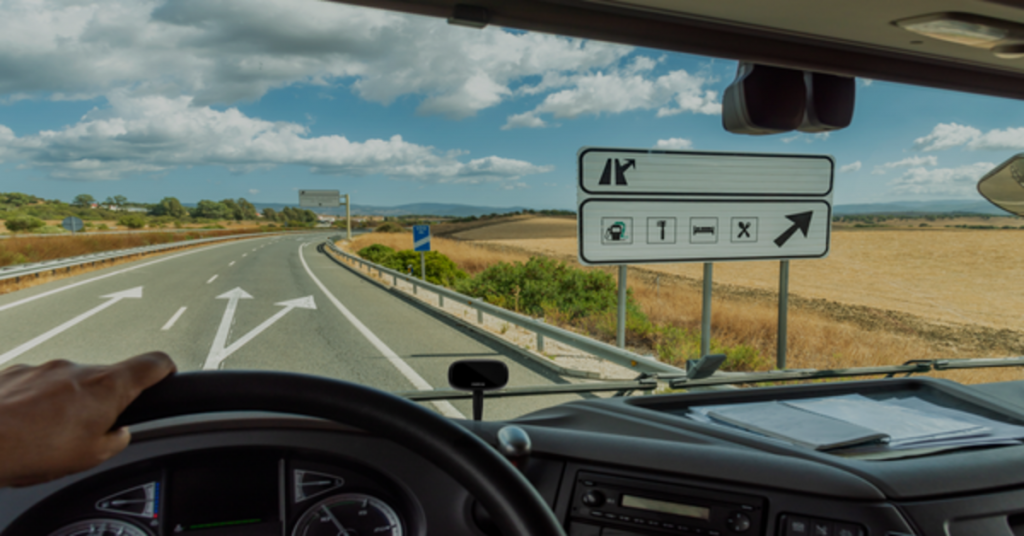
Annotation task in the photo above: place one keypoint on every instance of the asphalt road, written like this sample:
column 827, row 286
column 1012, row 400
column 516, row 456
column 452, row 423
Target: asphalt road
column 271, row 303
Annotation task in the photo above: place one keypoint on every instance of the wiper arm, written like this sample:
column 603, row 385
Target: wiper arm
column 645, row 384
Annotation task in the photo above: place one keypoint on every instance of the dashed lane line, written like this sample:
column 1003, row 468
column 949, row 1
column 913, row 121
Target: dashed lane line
column 211, row 280
column 170, row 323
column 445, row 407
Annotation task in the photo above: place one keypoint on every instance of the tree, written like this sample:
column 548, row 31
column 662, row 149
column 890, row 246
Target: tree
column 23, row 222
column 246, row 209
column 117, row 200
column 170, row 206
column 270, row 214
column 132, row 221
column 234, row 210
column 212, row 210
column 83, row 200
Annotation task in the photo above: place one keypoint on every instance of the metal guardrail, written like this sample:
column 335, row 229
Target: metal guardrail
column 653, row 370
column 37, row 269
column 642, row 364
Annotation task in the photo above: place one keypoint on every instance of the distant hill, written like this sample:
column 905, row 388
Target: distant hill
column 971, row 206
column 420, row 209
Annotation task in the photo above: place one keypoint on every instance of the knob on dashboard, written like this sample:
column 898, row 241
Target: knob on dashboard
column 594, row 498
column 739, row 522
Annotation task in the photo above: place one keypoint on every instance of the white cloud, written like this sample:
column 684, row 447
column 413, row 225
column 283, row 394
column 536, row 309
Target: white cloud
column 941, row 182
column 226, row 51
column 524, row 120
column 156, row 134
column 853, row 166
column 913, row 161
column 674, row 144
column 866, row 82
column 622, row 90
column 1007, row 139
column 945, row 136
column 253, row 191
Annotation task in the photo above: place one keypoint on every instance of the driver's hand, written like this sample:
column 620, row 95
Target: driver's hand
column 55, row 418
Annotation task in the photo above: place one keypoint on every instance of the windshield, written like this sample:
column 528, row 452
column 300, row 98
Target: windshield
column 290, row 152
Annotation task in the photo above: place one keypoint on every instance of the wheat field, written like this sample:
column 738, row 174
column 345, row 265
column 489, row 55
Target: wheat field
column 879, row 272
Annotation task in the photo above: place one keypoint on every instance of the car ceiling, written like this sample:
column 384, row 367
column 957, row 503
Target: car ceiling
column 849, row 38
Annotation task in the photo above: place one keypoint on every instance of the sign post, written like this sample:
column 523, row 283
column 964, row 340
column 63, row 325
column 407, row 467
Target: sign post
column 421, row 243
column 328, row 198
column 73, row 224
column 640, row 206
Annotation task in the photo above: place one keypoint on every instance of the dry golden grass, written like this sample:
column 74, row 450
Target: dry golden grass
column 908, row 271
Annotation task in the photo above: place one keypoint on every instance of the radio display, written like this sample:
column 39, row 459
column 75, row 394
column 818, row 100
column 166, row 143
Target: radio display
column 665, row 507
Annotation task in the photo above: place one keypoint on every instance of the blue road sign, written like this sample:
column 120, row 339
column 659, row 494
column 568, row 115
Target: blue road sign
column 421, row 237
column 73, row 224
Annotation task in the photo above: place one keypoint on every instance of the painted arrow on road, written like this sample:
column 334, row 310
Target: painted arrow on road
column 218, row 352
column 134, row 293
column 801, row 221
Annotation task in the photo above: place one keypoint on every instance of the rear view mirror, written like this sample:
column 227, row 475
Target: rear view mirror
column 764, row 100
column 830, row 101
column 771, row 100
column 477, row 374
column 1004, row 185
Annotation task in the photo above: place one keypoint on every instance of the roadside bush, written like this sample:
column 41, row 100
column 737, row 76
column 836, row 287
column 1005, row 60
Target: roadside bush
column 377, row 253
column 24, row 223
column 132, row 221
column 542, row 283
column 440, row 269
column 389, row 227
column 50, row 229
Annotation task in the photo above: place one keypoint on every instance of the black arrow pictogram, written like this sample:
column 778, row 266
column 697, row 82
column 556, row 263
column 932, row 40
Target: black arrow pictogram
column 801, row 221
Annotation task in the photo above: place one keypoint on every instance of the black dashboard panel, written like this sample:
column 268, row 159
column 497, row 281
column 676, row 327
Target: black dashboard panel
column 653, row 473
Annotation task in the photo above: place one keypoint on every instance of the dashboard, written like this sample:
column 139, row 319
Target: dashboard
column 610, row 467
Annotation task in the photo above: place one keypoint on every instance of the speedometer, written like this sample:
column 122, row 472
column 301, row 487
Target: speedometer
column 350, row 514
column 101, row 527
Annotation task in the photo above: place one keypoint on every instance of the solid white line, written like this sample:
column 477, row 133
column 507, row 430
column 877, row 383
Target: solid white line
column 170, row 323
column 211, row 279
column 111, row 274
column 445, row 407
column 232, row 263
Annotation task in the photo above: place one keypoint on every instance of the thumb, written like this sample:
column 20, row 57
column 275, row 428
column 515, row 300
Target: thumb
column 112, row 442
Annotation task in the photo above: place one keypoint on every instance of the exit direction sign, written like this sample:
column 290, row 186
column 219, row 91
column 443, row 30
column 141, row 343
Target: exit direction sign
column 319, row 198
column 642, row 206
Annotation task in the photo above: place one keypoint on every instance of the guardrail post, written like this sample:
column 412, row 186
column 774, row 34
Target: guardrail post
column 440, row 300
column 540, row 340
column 479, row 316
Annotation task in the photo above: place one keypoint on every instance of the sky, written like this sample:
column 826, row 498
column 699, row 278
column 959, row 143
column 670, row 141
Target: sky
column 214, row 99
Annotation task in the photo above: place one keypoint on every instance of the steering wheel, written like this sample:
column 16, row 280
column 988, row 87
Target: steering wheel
column 506, row 494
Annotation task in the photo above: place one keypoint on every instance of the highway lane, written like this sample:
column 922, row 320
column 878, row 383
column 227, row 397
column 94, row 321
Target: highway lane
column 263, row 303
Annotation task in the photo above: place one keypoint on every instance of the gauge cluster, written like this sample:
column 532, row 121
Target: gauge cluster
column 254, row 492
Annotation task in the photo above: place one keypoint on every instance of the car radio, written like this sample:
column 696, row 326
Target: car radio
column 607, row 505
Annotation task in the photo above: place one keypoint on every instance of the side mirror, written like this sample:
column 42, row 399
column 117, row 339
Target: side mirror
column 1004, row 185
column 478, row 375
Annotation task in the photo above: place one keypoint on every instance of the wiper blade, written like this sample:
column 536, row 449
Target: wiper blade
column 645, row 384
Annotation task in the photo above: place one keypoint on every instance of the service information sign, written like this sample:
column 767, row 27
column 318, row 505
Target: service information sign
column 642, row 206
column 319, row 198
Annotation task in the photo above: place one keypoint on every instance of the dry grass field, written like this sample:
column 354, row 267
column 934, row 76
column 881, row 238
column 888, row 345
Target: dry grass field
column 881, row 297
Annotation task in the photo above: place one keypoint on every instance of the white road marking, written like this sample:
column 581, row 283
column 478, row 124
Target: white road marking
column 232, row 263
column 221, row 339
column 446, row 408
column 210, row 280
column 170, row 323
column 111, row 274
column 111, row 300
column 244, row 254
column 214, row 361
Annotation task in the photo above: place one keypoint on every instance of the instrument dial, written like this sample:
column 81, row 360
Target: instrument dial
column 101, row 527
column 349, row 514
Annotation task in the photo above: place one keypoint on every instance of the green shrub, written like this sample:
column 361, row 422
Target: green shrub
column 389, row 227
column 543, row 283
column 132, row 221
column 23, row 222
column 50, row 229
column 103, row 227
column 440, row 269
column 377, row 253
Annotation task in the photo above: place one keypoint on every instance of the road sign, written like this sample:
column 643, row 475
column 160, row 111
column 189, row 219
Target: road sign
column 319, row 198
column 421, row 237
column 73, row 224
column 639, row 206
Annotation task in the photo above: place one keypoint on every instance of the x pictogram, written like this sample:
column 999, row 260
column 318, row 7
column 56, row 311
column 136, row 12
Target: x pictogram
column 744, row 229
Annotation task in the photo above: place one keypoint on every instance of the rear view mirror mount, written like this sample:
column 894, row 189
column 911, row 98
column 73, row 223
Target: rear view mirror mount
column 478, row 375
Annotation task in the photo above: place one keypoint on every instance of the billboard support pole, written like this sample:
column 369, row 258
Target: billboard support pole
column 705, row 317
column 783, row 314
column 423, row 265
column 348, row 218
column 620, row 335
